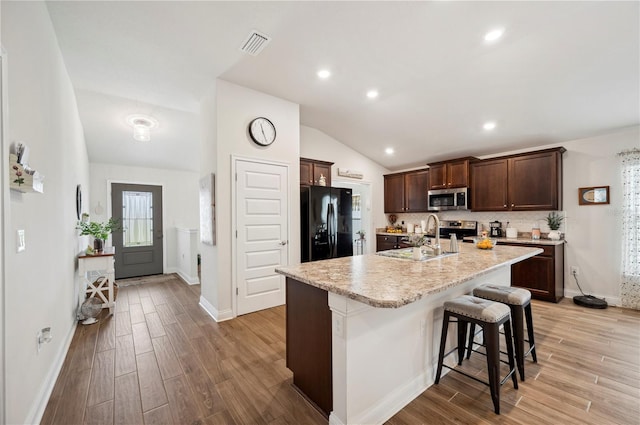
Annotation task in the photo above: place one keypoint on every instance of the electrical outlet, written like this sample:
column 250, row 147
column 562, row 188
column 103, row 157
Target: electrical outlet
column 338, row 326
column 575, row 270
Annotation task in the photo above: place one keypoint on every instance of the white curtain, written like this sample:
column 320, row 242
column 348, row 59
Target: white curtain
column 630, row 282
column 137, row 214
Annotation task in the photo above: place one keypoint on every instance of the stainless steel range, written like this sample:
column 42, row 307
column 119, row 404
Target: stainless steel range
column 461, row 228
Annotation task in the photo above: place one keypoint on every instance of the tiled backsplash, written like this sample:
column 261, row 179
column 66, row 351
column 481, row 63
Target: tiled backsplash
column 521, row 220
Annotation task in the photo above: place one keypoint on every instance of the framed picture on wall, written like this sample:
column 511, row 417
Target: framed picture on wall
column 208, row 210
column 597, row 195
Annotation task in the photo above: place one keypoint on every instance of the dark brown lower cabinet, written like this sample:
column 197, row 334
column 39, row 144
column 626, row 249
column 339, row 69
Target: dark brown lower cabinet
column 309, row 343
column 543, row 274
column 384, row 242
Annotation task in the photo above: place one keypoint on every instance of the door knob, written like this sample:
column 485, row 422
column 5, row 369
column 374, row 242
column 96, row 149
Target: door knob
column 283, row 243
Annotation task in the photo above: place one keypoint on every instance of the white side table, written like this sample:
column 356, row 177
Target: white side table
column 103, row 263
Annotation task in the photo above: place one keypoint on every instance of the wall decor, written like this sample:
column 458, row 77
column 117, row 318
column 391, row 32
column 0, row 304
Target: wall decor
column 208, row 210
column 596, row 195
column 78, row 201
column 346, row 172
column 22, row 178
column 262, row 131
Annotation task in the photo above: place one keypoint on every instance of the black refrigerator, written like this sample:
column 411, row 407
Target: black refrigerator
column 325, row 217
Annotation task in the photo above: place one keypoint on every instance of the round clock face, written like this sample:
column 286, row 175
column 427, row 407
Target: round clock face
column 262, row 131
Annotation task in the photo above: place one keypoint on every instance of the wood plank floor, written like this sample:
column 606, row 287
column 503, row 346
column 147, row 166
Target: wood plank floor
column 163, row 360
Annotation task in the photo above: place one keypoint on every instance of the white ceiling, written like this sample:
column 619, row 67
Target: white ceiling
column 562, row 71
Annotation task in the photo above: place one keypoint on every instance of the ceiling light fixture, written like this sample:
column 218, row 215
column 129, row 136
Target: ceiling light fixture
column 324, row 74
column 389, row 151
column 489, row 125
column 372, row 94
column 493, row 35
column 142, row 125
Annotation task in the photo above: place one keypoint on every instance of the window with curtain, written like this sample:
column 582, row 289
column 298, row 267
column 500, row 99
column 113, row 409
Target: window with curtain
column 137, row 219
column 630, row 282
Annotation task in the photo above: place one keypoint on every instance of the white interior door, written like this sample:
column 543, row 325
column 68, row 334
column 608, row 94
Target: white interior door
column 262, row 208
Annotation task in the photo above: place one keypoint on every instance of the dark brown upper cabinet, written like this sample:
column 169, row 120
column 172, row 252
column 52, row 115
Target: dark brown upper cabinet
column 406, row 192
column 311, row 170
column 523, row 182
column 449, row 174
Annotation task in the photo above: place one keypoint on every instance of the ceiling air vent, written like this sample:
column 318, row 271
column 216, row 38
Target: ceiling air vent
column 255, row 43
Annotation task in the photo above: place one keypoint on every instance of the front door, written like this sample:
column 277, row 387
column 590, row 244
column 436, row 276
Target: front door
column 139, row 242
column 262, row 205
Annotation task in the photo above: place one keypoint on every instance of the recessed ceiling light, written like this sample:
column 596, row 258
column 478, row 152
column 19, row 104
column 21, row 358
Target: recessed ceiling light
column 493, row 35
column 324, row 74
column 389, row 151
column 490, row 125
column 372, row 94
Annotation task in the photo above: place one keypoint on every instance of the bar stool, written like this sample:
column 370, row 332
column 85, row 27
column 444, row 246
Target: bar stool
column 489, row 316
column 519, row 301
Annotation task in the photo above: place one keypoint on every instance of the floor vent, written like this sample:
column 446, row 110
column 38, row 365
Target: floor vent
column 255, row 42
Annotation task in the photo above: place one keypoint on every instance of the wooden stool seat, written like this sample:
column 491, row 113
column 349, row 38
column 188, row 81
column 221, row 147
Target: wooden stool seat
column 489, row 315
column 519, row 302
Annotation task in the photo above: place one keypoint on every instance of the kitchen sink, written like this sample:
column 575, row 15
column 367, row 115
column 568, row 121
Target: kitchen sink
column 407, row 254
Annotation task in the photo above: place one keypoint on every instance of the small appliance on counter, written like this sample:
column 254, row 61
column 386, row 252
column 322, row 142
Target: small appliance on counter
column 495, row 230
column 460, row 228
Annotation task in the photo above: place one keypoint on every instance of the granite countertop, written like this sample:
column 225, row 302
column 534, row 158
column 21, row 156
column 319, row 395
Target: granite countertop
column 392, row 282
column 524, row 241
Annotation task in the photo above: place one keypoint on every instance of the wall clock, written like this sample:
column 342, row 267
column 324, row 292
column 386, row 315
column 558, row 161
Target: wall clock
column 262, row 131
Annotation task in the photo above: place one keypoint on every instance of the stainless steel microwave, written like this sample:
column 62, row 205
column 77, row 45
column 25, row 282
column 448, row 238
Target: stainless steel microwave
column 449, row 199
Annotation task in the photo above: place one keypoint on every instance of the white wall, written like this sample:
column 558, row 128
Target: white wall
column 209, row 287
column 40, row 282
column 235, row 107
column 594, row 232
column 315, row 144
column 179, row 202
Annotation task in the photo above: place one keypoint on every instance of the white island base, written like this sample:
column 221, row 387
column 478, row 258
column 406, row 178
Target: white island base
column 383, row 358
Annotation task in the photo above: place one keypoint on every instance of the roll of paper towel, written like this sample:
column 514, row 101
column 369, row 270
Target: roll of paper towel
column 512, row 232
column 409, row 227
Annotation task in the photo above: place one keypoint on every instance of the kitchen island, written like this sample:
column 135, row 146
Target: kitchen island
column 363, row 332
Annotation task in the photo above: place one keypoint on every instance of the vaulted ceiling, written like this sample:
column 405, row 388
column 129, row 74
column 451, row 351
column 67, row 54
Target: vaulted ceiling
column 561, row 71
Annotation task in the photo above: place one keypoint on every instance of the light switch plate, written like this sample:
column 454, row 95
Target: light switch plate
column 20, row 242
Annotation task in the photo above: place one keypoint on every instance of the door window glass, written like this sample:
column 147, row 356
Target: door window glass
column 137, row 219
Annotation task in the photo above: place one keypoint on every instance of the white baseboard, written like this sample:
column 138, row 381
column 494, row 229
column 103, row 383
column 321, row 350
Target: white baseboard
column 613, row 301
column 218, row 316
column 334, row 420
column 170, row 270
column 189, row 280
column 37, row 410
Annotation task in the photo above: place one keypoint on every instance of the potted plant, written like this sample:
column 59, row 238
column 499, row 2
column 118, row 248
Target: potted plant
column 100, row 231
column 360, row 233
column 554, row 221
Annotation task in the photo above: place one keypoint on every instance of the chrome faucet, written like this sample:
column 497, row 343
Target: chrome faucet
column 435, row 248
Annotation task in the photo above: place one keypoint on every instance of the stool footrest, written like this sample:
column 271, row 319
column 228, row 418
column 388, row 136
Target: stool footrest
column 484, row 354
column 502, row 381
